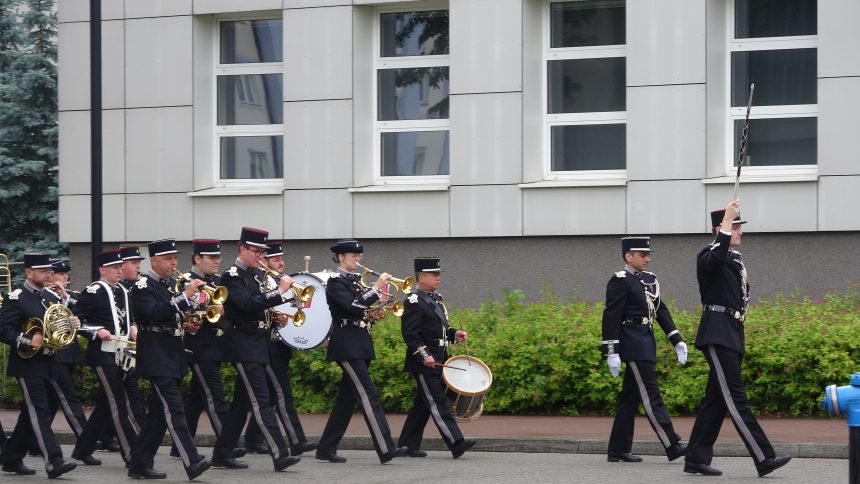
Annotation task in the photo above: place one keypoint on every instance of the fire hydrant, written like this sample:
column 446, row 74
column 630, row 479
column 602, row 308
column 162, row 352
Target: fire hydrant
column 845, row 400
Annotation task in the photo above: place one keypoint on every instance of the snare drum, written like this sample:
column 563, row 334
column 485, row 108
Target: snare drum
column 467, row 389
column 126, row 355
column 317, row 327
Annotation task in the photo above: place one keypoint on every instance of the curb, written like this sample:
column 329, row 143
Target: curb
column 557, row 446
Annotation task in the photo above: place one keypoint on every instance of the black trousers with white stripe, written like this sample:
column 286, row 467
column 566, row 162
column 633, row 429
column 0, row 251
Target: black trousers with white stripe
column 640, row 386
column 35, row 420
column 251, row 394
column 725, row 392
column 166, row 413
column 356, row 388
column 110, row 411
column 65, row 397
column 430, row 401
column 207, row 394
column 281, row 393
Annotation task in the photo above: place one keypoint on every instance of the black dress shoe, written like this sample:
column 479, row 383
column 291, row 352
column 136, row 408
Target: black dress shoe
column 286, row 461
column 239, row 452
column 88, row 459
column 303, row 447
column 145, row 474
column 257, row 448
column 334, row 458
column 676, row 450
column 174, row 452
column 34, row 453
column 703, row 469
column 61, row 469
column 622, row 457
column 197, row 468
column 19, row 469
column 392, row 454
column 461, row 447
column 108, row 446
column 769, row 465
column 228, row 463
column 416, row 453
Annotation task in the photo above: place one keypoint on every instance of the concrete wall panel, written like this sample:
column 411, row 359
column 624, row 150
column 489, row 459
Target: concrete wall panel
column 153, row 216
column 837, row 34
column 157, row 8
column 486, row 138
column 486, row 211
column 76, row 222
column 73, row 66
column 318, row 46
column 401, row 214
column 665, row 207
column 770, row 207
column 226, row 6
column 74, row 150
column 665, row 42
column 317, row 214
column 838, row 140
column 838, row 197
column 223, row 217
column 486, row 46
column 158, row 62
column 318, row 144
column 574, row 211
column 159, row 143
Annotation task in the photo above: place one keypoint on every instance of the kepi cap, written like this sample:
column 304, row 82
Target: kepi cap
column 131, row 252
column 717, row 218
column 109, row 258
column 635, row 244
column 254, row 237
column 162, row 247
column 37, row 260
column 276, row 248
column 427, row 264
column 207, row 247
column 347, row 246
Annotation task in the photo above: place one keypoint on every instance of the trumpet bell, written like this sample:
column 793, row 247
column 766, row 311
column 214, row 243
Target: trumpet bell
column 397, row 308
column 32, row 327
column 304, row 293
column 299, row 317
column 218, row 295
column 212, row 313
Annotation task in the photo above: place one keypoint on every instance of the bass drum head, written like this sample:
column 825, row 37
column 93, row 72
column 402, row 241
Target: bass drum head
column 474, row 377
column 315, row 331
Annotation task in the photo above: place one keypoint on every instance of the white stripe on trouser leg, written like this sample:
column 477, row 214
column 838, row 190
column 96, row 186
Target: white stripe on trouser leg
column 255, row 409
column 34, row 422
column 183, row 452
column 210, row 402
column 646, row 402
column 733, row 410
column 114, row 412
column 130, row 413
column 67, row 409
column 282, row 406
column 434, row 410
column 365, row 404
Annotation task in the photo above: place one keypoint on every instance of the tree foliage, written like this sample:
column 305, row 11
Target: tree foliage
column 28, row 127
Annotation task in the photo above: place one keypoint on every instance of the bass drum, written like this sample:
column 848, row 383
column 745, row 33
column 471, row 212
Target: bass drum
column 317, row 326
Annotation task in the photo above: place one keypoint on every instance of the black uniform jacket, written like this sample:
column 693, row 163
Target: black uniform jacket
column 94, row 309
column 626, row 306
column 203, row 345
column 246, row 337
column 347, row 301
column 72, row 353
column 19, row 306
column 160, row 351
column 722, row 282
column 425, row 323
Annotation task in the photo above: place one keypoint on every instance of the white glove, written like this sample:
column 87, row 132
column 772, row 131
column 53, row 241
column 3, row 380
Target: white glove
column 681, row 349
column 614, row 362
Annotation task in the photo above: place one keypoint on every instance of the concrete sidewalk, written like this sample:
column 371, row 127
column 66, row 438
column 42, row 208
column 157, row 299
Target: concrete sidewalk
column 814, row 438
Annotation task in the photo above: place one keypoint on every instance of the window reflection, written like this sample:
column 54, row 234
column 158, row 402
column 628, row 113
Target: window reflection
column 251, row 41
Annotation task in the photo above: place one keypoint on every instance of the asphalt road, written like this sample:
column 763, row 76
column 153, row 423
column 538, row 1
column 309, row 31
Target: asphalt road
column 474, row 467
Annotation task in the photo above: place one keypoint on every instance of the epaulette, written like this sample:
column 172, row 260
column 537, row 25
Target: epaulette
column 141, row 283
column 413, row 298
column 233, row 271
column 621, row 274
column 336, row 274
column 14, row 294
column 93, row 288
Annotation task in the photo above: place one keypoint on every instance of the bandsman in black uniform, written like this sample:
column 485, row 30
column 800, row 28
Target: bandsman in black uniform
column 103, row 307
column 131, row 260
column 204, row 350
column 633, row 303
column 724, row 289
column 245, row 343
column 278, row 373
column 351, row 346
column 33, row 374
column 425, row 329
column 159, row 312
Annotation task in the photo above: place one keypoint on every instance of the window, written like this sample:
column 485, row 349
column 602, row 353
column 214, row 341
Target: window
column 249, row 100
column 411, row 95
column 773, row 45
column 586, row 78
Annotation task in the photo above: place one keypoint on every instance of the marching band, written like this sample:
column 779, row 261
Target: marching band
column 158, row 324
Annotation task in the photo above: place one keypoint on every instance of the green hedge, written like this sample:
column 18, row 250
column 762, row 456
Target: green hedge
column 545, row 358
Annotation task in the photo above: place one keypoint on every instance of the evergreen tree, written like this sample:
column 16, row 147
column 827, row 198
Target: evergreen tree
column 28, row 127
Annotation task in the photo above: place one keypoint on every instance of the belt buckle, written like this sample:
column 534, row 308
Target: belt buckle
column 261, row 325
column 737, row 316
column 362, row 324
column 177, row 332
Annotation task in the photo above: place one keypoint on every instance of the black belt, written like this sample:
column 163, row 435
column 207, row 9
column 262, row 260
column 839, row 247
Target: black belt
column 638, row 320
column 358, row 323
column 175, row 331
column 441, row 343
column 734, row 313
column 251, row 324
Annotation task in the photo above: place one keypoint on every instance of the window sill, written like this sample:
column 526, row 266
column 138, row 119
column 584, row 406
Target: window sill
column 725, row 180
column 231, row 191
column 575, row 183
column 399, row 188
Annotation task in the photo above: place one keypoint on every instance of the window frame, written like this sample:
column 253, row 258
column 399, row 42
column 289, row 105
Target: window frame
column 762, row 112
column 412, row 125
column 569, row 119
column 241, row 130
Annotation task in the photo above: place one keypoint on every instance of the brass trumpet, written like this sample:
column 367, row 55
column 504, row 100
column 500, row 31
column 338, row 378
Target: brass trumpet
column 217, row 295
column 303, row 293
column 406, row 286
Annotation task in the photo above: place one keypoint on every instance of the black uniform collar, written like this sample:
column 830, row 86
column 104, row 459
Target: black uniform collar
column 632, row 270
column 152, row 275
column 32, row 289
column 435, row 296
column 352, row 276
column 200, row 275
column 243, row 266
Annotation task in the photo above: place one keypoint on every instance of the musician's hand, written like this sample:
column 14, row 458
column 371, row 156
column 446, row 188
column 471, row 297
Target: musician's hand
column 281, row 320
column 377, row 314
column 103, row 334
column 60, row 289
column 192, row 326
column 430, row 362
column 461, row 335
column 614, row 363
column 220, row 309
column 380, row 283
column 284, row 284
column 733, row 209
column 77, row 323
column 193, row 287
column 132, row 333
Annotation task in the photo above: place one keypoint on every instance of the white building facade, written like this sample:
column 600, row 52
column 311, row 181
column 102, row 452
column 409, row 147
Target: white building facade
column 517, row 139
